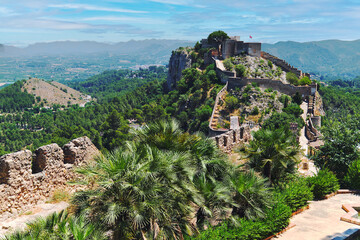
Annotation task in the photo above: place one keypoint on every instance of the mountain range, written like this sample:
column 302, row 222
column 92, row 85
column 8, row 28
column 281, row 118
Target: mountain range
column 326, row 60
column 329, row 59
column 152, row 47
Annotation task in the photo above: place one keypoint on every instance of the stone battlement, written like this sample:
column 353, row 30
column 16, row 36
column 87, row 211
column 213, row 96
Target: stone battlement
column 27, row 178
column 284, row 65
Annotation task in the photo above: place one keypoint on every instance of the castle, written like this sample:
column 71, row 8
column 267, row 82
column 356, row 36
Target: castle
column 233, row 46
column 226, row 139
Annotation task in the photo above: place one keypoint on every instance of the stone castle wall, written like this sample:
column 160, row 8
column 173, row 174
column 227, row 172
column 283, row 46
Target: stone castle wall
column 270, row 83
column 27, row 178
column 283, row 65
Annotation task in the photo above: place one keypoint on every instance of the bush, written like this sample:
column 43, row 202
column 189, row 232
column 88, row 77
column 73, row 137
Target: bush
column 228, row 64
column 323, row 183
column 254, row 84
column 270, row 64
column 305, row 81
column 293, row 109
column 292, row 78
column 231, row 102
column 352, row 177
column 255, row 111
column 277, row 218
column 240, row 70
column 296, row 193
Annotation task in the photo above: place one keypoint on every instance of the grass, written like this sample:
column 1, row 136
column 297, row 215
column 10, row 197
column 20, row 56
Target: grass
column 59, row 195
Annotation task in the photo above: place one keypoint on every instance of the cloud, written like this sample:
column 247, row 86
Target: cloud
column 93, row 8
column 125, row 19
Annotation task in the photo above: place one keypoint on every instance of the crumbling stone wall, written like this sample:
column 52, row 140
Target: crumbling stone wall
column 232, row 138
column 26, row 178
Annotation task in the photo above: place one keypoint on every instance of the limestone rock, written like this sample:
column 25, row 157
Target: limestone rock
column 179, row 61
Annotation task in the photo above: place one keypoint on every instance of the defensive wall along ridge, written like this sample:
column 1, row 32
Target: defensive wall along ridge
column 27, row 178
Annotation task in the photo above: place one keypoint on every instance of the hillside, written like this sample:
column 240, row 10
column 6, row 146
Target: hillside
column 329, row 58
column 112, row 83
column 54, row 93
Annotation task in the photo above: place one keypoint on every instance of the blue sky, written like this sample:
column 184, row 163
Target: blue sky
column 24, row 22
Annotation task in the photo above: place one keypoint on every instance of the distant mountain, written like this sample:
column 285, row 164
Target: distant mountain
column 64, row 48
column 69, row 60
column 329, row 59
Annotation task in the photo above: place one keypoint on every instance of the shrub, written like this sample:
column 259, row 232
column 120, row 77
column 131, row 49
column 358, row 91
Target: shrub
column 255, row 111
column 247, row 88
column 270, row 64
column 293, row 109
column 277, row 218
column 254, row 84
column 305, row 81
column 323, row 183
column 228, row 64
column 240, row 70
column 59, row 195
column 292, row 78
column 295, row 192
column 352, row 177
column 231, row 102
column 268, row 90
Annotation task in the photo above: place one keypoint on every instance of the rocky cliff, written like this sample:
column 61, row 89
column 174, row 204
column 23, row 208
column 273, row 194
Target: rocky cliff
column 179, row 61
column 26, row 178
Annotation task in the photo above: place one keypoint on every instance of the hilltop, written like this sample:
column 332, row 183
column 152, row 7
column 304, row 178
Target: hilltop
column 53, row 92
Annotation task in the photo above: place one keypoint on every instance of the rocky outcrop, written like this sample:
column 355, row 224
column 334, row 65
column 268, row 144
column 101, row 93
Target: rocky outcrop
column 179, row 61
column 26, row 178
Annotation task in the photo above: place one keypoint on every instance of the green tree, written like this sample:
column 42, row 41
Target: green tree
column 292, row 78
column 231, row 102
column 229, row 66
column 340, row 149
column 217, row 38
column 293, row 109
column 305, row 81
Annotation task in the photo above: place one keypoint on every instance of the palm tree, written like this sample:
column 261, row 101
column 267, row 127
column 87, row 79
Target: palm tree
column 273, row 153
column 59, row 226
column 251, row 195
column 217, row 201
column 142, row 193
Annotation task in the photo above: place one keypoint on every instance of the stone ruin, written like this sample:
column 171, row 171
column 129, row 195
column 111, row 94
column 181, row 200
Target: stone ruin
column 27, row 179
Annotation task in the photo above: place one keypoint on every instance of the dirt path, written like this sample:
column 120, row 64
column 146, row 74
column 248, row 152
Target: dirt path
column 322, row 220
column 19, row 222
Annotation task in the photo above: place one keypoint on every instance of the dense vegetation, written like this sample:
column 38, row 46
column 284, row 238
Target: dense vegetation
column 341, row 131
column 12, row 99
column 169, row 184
column 112, row 83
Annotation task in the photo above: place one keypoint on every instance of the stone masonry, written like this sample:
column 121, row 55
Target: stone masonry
column 26, row 178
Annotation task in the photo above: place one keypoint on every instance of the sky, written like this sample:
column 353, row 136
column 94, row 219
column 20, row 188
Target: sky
column 24, row 22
